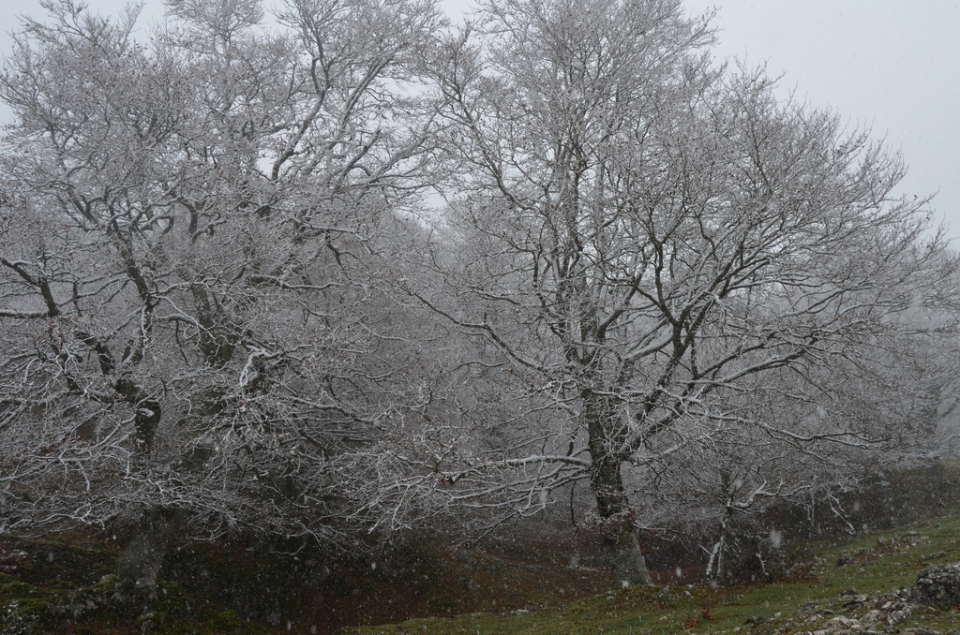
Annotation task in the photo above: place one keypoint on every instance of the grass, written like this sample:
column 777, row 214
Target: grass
column 61, row 584
column 876, row 563
column 427, row 581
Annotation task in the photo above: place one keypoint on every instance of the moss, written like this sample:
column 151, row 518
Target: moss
column 69, row 588
column 259, row 586
column 26, row 616
column 65, row 560
column 107, row 583
column 151, row 622
column 13, row 588
column 225, row 622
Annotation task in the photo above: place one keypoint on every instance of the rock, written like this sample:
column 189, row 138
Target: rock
column 933, row 556
column 851, row 600
column 809, row 609
column 872, row 617
column 938, row 586
column 13, row 560
column 843, row 625
column 899, row 616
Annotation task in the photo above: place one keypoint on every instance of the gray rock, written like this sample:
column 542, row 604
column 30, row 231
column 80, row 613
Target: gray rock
column 938, row 586
column 899, row 616
column 843, row 625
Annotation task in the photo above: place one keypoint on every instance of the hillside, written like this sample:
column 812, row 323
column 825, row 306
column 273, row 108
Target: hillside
column 63, row 584
column 849, row 587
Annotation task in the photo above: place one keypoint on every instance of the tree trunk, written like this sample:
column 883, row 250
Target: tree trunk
column 716, row 564
column 619, row 533
column 627, row 564
column 141, row 559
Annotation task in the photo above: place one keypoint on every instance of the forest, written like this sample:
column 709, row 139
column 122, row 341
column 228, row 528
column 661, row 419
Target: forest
column 345, row 273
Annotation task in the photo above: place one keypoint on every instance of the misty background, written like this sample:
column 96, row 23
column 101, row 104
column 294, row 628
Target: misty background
column 885, row 65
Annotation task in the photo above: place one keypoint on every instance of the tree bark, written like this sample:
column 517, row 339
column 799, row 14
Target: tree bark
column 619, row 532
column 143, row 556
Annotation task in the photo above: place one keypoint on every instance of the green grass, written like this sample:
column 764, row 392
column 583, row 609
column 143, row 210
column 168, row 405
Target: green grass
column 879, row 563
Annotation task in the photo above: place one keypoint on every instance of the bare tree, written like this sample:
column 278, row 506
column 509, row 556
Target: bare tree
column 202, row 236
column 194, row 237
column 641, row 239
column 745, row 491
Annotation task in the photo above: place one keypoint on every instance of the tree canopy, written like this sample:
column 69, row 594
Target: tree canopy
column 229, row 297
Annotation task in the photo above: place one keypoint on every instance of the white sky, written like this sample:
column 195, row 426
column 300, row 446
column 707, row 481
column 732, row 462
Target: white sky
column 890, row 65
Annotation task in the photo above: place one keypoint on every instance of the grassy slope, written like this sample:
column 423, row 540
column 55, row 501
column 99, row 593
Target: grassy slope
column 62, row 584
column 427, row 581
column 72, row 574
column 878, row 562
column 881, row 562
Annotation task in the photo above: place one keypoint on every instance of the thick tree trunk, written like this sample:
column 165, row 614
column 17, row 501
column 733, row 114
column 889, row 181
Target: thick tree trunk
column 141, row 559
column 619, row 532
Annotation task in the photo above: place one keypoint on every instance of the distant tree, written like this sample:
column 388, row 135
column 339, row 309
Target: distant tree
column 641, row 240
column 194, row 234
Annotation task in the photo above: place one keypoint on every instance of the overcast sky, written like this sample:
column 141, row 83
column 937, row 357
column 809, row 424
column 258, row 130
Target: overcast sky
column 890, row 65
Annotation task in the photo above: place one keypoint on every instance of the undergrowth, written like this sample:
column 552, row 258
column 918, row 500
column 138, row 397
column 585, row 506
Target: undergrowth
column 872, row 563
column 62, row 584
